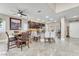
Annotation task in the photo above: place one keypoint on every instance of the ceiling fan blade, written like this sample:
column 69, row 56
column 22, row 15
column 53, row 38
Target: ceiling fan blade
column 24, row 14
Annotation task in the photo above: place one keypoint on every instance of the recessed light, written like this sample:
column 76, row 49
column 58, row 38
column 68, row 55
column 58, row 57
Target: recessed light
column 39, row 11
column 74, row 16
column 46, row 16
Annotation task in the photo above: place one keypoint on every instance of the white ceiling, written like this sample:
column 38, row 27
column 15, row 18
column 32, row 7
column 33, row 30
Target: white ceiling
column 47, row 9
column 65, row 6
column 31, row 9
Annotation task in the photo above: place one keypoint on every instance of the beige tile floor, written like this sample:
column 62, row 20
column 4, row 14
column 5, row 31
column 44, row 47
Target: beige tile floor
column 69, row 47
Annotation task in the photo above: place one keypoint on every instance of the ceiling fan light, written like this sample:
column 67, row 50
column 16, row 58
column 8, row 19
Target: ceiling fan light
column 19, row 14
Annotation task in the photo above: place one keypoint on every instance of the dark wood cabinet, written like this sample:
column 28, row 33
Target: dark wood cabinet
column 35, row 25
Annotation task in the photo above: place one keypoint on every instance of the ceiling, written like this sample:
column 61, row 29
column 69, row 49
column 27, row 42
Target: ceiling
column 48, row 10
column 65, row 6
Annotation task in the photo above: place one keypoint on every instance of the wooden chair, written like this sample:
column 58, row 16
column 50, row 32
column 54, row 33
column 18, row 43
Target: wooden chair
column 24, row 39
column 11, row 42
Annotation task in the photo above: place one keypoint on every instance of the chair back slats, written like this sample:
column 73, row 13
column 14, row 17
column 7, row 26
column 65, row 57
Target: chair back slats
column 10, row 41
column 25, row 36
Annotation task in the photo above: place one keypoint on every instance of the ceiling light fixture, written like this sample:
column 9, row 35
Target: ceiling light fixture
column 74, row 16
column 46, row 16
column 19, row 14
column 39, row 11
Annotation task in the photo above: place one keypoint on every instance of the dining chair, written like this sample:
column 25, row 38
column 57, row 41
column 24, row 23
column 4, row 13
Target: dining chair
column 24, row 39
column 11, row 42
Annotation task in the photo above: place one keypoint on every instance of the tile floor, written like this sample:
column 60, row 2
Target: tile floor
column 69, row 47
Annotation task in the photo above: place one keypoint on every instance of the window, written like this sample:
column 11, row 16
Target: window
column 2, row 26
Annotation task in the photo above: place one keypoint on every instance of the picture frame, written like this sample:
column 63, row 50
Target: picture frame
column 15, row 24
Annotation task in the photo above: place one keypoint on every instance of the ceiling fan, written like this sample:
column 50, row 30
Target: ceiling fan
column 21, row 13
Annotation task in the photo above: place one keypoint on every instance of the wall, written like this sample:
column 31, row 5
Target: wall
column 74, row 29
column 6, row 19
column 53, row 26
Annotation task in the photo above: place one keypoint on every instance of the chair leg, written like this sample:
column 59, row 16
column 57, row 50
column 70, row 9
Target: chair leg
column 28, row 44
column 8, row 46
column 7, row 49
column 21, row 46
column 18, row 44
column 25, row 43
column 49, row 40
